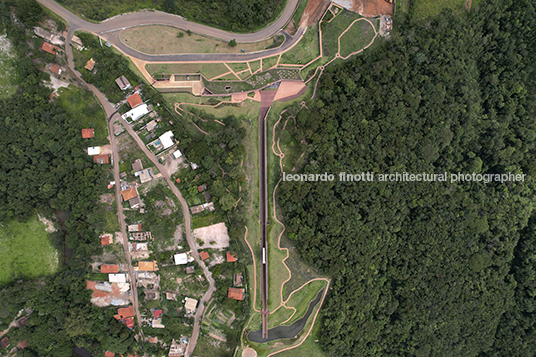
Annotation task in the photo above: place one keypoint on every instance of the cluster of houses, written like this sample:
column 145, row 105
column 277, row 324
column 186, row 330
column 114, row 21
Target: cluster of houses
column 208, row 205
column 235, row 292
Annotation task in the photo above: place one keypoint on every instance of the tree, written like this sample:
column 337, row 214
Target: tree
column 232, row 43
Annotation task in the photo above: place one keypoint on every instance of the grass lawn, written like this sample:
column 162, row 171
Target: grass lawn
column 81, row 104
column 238, row 67
column 301, row 299
column 204, row 219
column 304, row 51
column 309, row 348
column 255, row 65
column 244, row 75
column 421, row 9
column 26, row 251
column 269, row 62
column 357, row 37
column 208, row 70
column 219, row 87
column 159, row 40
column 8, row 77
column 299, row 12
column 332, row 31
column 227, row 77
column 81, row 57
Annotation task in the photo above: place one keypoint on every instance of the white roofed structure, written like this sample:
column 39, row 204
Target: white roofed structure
column 166, row 140
column 117, row 278
column 180, row 259
column 136, row 113
column 93, row 150
column 177, row 154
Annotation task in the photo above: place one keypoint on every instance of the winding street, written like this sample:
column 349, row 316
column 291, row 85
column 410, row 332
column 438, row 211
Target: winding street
column 110, row 28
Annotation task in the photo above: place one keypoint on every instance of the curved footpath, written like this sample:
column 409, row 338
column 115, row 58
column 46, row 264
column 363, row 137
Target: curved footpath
column 110, row 28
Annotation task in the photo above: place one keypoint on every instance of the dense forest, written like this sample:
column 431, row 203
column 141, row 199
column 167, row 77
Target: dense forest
column 236, row 15
column 43, row 168
column 425, row 269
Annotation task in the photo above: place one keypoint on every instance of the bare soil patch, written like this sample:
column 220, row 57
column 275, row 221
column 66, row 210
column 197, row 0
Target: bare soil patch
column 291, row 27
column 107, row 198
column 214, row 236
column 313, row 12
column 47, row 222
column 367, row 8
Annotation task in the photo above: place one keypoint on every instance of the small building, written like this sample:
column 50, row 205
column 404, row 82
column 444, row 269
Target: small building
column 134, row 227
column 177, row 154
column 93, row 150
column 194, row 166
column 88, row 133
column 238, row 279
column 157, row 323
column 47, row 47
column 22, row 344
column 129, row 193
column 56, row 68
column 130, row 322
column 134, row 100
column 138, row 247
column 125, row 312
column 141, row 236
column 204, row 255
column 117, row 278
column 109, row 268
column 145, row 175
column 109, row 354
column 137, row 165
column 152, row 295
column 147, row 266
column 180, row 259
column 136, row 113
column 231, row 258
column 150, row 126
column 157, row 313
column 123, row 83
column 118, row 128
column 190, row 305
column 166, row 140
column 90, row 64
column 171, row 296
column 207, row 196
column 4, row 342
column 201, row 188
column 106, row 239
column 197, row 209
column 236, row 293
column 190, row 269
column 135, row 202
column 101, row 159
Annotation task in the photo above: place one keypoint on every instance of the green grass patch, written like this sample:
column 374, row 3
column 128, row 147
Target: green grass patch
column 299, row 12
column 26, row 251
column 244, row 75
column 356, row 38
column 82, row 104
column 255, row 65
column 269, row 62
column 223, row 87
column 227, row 77
column 205, row 219
column 332, row 31
column 304, row 51
column 422, row 9
column 328, row 16
column 8, row 77
column 208, row 70
column 238, row 67
column 309, row 348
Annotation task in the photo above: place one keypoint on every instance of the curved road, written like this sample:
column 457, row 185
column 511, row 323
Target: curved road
column 110, row 29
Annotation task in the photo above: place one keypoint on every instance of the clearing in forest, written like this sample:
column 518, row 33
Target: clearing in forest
column 7, row 68
column 26, row 250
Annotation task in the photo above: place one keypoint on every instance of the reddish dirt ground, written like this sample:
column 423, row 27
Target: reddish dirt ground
column 313, row 12
column 367, row 8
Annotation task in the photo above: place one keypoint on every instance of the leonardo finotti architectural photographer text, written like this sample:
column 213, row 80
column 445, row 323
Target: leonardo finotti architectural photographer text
column 406, row 177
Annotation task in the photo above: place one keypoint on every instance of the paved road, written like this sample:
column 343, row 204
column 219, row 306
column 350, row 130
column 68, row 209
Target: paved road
column 189, row 238
column 110, row 28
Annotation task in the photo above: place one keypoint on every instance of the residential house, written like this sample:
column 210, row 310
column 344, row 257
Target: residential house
column 129, row 193
column 137, row 165
column 197, row 209
column 123, row 83
column 130, row 322
column 56, row 68
column 231, row 258
column 134, row 227
column 109, row 354
column 134, row 100
column 190, row 269
column 136, row 113
column 207, row 196
column 201, row 188
column 117, row 278
column 147, row 266
column 93, row 150
column 125, row 312
column 157, row 313
column 90, row 64
column 106, row 239
column 190, row 305
column 101, row 159
column 171, row 296
column 204, row 255
column 4, row 342
column 236, row 293
column 135, row 202
column 166, row 140
column 150, row 126
column 180, row 259
column 109, row 268
column 238, row 279
column 88, row 133
column 22, row 344
column 141, row 236
column 177, row 154
column 47, row 47
column 118, row 128
column 145, row 175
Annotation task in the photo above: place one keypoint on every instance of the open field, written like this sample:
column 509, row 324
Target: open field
column 357, row 37
column 269, row 62
column 304, row 51
column 244, row 75
column 421, row 9
column 332, row 31
column 26, row 250
column 228, row 77
column 7, row 70
column 208, row 70
column 238, row 67
column 160, row 40
column 255, row 65
column 81, row 104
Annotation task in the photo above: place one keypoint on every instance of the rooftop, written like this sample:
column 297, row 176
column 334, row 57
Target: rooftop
column 88, row 133
column 157, row 313
column 125, row 312
column 47, row 47
column 148, row 266
column 55, row 68
column 109, row 268
column 134, row 100
column 90, row 64
column 204, row 255
column 101, row 159
column 129, row 193
column 237, row 294
column 123, row 82
column 231, row 258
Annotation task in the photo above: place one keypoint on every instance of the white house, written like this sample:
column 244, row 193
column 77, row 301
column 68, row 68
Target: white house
column 93, row 150
column 180, row 259
column 117, row 278
column 136, row 113
column 177, row 154
column 166, row 140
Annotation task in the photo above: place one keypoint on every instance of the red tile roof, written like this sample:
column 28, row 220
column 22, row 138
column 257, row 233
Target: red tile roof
column 47, row 47
column 105, row 240
column 22, row 344
column 129, row 193
column 88, row 133
column 109, row 354
column 231, row 258
column 237, row 294
column 90, row 64
column 125, row 312
column 101, row 159
column 130, row 322
column 204, row 255
column 4, row 342
column 134, row 100
column 109, row 268
column 55, row 68
column 157, row 313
